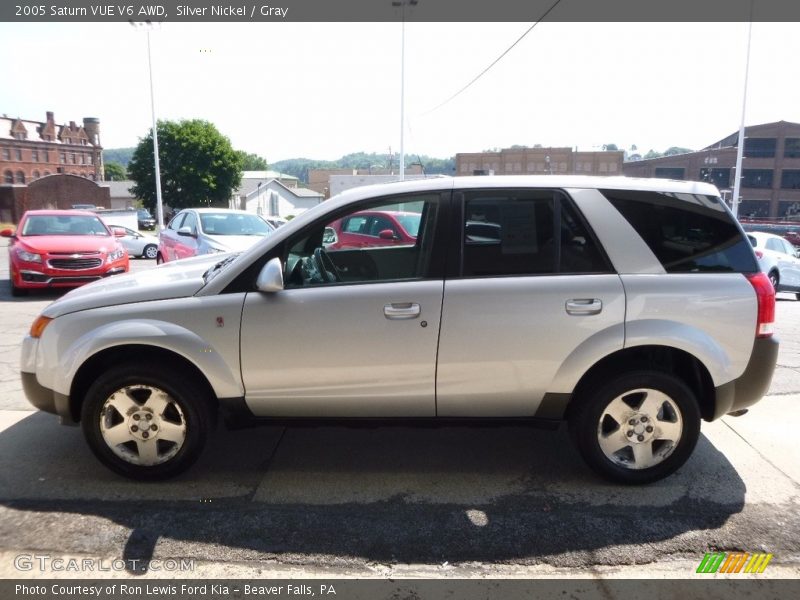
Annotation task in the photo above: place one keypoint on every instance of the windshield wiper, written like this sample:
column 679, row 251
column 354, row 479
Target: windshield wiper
column 211, row 272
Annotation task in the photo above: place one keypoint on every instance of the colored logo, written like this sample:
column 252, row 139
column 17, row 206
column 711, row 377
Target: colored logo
column 734, row 562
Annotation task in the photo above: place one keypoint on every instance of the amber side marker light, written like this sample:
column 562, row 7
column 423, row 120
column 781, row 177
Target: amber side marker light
column 38, row 326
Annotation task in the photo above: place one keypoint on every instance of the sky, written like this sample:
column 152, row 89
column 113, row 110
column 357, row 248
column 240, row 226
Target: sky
column 322, row 90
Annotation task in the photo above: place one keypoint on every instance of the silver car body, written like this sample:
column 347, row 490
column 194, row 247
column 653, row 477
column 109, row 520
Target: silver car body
column 135, row 243
column 330, row 351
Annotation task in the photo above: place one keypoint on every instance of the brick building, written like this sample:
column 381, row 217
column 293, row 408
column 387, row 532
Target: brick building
column 33, row 149
column 770, row 184
column 539, row 161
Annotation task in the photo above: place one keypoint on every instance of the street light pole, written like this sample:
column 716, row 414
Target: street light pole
column 402, row 5
column 740, row 150
column 159, row 203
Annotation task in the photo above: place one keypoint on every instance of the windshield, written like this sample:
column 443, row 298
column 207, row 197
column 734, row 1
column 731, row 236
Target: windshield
column 64, row 225
column 234, row 224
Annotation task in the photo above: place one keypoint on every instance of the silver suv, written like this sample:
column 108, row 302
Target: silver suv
column 630, row 308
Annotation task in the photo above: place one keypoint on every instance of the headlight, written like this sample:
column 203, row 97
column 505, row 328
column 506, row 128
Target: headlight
column 29, row 256
column 115, row 255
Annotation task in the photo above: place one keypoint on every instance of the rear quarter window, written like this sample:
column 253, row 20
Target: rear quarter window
column 688, row 233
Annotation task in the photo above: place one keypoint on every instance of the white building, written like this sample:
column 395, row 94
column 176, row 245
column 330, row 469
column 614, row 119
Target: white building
column 273, row 198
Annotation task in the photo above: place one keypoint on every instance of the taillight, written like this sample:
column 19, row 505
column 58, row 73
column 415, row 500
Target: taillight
column 765, row 294
column 759, row 254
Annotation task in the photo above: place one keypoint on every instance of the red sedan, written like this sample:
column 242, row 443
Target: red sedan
column 371, row 228
column 61, row 248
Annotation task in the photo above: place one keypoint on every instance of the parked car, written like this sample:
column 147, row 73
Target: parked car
column 135, row 243
column 197, row 231
column 145, row 219
column 631, row 308
column 61, row 248
column 374, row 228
column 779, row 259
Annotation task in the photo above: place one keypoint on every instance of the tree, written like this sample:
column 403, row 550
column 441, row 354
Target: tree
column 610, row 148
column 253, row 162
column 673, row 150
column 114, row 171
column 198, row 165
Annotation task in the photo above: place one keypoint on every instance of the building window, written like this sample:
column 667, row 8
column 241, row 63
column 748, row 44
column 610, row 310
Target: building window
column 91, row 159
column 754, row 208
column 83, row 158
column 47, row 156
column 790, row 179
column 719, row 177
column 757, row 178
column 8, row 177
column 791, row 148
column 46, row 173
column 19, row 153
column 759, row 147
column 670, row 172
column 789, row 208
column 63, row 158
column 35, row 175
column 35, row 155
column 6, row 154
column 20, row 177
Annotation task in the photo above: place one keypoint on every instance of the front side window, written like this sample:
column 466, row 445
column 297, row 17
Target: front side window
column 190, row 221
column 525, row 233
column 688, row 233
column 388, row 240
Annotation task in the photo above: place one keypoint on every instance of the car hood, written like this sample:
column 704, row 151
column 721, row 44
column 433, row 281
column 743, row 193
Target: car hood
column 177, row 279
column 69, row 244
column 235, row 243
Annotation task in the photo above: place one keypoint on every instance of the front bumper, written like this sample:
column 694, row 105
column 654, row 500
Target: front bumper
column 753, row 383
column 45, row 399
column 28, row 278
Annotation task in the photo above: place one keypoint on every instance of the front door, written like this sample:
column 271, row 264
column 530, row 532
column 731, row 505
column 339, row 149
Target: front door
column 355, row 331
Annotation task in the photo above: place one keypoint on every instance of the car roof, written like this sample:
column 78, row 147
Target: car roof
column 60, row 213
column 221, row 210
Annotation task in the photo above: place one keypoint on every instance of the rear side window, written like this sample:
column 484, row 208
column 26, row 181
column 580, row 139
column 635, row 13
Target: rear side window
column 688, row 233
column 526, row 233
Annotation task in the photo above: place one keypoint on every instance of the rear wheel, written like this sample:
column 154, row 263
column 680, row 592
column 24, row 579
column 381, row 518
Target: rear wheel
column 638, row 428
column 150, row 251
column 774, row 279
column 146, row 421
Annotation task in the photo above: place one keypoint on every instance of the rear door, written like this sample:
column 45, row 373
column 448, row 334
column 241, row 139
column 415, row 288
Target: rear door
column 531, row 286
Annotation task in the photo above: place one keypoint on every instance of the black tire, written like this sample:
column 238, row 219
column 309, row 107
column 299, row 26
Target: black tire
column 591, row 421
column 16, row 291
column 187, row 407
column 150, row 251
column 774, row 279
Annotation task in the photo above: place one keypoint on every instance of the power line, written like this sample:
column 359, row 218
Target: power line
column 497, row 60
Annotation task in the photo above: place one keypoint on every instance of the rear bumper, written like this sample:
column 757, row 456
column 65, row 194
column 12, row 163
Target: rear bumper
column 754, row 382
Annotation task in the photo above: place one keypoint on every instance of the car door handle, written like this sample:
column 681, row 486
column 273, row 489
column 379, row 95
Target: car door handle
column 401, row 310
column 584, row 306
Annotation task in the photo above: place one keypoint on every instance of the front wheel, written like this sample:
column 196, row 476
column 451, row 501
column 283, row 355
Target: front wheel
column 774, row 279
column 638, row 428
column 146, row 421
column 150, row 251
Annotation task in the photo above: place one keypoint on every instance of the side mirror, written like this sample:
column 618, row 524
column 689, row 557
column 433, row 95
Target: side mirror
column 9, row 233
column 387, row 234
column 270, row 279
column 118, row 232
column 186, row 231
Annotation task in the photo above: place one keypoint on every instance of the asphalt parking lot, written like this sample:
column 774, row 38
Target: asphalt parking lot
column 399, row 502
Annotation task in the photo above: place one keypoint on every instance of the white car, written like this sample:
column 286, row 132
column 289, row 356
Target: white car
column 779, row 259
column 138, row 244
